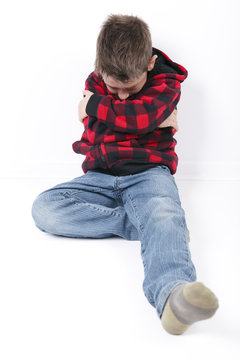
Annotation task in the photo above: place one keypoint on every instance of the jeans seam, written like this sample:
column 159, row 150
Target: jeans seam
column 188, row 252
column 68, row 195
column 134, row 207
column 114, row 213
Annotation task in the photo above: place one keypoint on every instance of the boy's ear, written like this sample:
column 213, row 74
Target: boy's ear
column 152, row 62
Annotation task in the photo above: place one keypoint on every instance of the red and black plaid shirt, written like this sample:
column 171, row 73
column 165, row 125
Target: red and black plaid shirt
column 122, row 137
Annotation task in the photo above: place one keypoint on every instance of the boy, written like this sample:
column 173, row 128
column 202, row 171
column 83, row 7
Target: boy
column 128, row 189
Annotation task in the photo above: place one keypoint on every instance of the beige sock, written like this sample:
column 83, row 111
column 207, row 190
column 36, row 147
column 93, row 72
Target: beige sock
column 187, row 304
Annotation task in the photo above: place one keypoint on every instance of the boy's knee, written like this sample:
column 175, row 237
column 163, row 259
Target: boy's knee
column 42, row 212
column 165, row 207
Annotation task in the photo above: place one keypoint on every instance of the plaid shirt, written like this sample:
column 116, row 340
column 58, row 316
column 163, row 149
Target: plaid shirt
column 122, row 137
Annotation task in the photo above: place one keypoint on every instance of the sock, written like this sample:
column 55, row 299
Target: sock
column 187, row 304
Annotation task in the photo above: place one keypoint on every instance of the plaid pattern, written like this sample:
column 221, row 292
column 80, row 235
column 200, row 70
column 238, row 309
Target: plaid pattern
column 116, row 132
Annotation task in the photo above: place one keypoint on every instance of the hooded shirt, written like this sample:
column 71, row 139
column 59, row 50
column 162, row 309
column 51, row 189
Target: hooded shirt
column 122, row 137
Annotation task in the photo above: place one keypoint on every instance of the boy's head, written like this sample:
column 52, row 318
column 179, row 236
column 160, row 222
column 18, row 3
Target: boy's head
column 124, row 54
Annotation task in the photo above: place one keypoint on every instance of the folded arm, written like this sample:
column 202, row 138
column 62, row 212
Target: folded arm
column 152, row 108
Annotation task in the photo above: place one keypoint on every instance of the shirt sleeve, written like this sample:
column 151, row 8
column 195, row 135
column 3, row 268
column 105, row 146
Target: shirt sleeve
column 142, row 114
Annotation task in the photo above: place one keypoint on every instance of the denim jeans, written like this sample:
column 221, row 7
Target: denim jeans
column 143, row 206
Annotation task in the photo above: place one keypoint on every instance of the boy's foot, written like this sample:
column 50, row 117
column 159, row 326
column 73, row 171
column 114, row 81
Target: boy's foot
column 187, row 304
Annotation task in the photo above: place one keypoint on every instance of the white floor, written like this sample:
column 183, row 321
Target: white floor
column 82, row 299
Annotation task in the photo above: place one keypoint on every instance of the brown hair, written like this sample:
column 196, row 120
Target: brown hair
column 124, row 47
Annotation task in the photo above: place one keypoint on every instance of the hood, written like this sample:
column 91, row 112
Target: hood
column 164, row 65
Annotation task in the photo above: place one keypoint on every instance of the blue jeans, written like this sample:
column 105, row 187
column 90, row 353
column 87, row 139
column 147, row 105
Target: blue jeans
column 143, row 206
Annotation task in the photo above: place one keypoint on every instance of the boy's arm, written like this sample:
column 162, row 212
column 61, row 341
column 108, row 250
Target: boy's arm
column 171, row 120
column 143, row 114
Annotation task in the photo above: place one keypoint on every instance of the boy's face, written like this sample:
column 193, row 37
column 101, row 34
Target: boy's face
column 126, row 88
column 130, row 87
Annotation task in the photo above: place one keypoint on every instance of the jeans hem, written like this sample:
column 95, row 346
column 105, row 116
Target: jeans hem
column 165, row 294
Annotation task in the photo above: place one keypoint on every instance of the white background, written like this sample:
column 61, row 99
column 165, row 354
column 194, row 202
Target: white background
column 48, row 50
column 68, row 299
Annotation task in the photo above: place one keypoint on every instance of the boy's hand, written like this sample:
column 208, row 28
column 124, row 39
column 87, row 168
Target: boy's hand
column 83, row 104
column 170, row 121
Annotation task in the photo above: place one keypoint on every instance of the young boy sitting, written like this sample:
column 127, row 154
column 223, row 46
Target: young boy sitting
column 128, row 189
